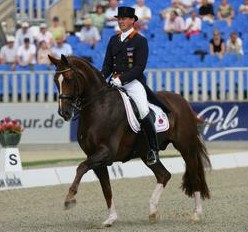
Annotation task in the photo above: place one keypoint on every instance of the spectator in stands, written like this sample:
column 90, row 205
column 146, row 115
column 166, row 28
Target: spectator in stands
column 206, row 11
column 186, row 5
column 8, row 53
column 165, row 14
column 98, row 18
column 4, row 27
column 199, row 3
column 144, row 14
column 89, row 34
column 45, row 35
column 217, row 44
column 22, row 33
column 110, row 13
column 234, row 45
column 61, row 47
column 43, row 52
column 57, row 30
column 243, row 9
column 193, row 25
column 175, row 24
column 226, row 12
column 26, row 53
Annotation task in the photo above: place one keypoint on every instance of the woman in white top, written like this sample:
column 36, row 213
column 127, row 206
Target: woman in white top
column 234, row 45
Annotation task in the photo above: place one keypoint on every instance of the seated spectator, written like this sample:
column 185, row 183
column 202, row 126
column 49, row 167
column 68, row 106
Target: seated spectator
column 89, row 34
column 144, row 14
column 199, row 3
column 234, row 45
column 187, row 5
column 111, row 11
column 26, row 53
column 206, row 11
column 22, row 33
column 193, row 25
column 58, row 31
column 226, row 12
column 165, row 14
column 217, row 44
column 175, row 24
column 8, row 53
column 43, row 52
column 61, row 47
column 45, row 35
column 98, row 18
column 243, row 9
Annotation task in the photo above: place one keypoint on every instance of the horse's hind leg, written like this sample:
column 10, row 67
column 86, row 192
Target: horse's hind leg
column 103, row 176
column 194, row 183
column 162, row 176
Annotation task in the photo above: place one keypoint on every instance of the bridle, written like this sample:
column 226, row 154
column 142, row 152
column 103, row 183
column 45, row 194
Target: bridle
column 79, row 102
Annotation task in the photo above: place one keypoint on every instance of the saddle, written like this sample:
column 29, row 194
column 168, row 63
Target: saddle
column 161, row 121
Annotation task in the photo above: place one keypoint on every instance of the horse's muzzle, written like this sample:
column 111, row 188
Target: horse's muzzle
column 65, row 114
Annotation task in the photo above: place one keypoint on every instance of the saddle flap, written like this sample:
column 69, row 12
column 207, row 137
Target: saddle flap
column 161, row 119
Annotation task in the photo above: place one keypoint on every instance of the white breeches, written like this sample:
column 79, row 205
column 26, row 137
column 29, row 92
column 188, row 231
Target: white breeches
column 137, row 92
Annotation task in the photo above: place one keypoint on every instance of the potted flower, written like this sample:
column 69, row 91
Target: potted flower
column 10, row 132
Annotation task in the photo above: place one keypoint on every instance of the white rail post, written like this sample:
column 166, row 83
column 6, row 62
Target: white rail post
column 240, row 86
column 186, row 84
column 204, row 91
column 195, row 86
column 214, row 88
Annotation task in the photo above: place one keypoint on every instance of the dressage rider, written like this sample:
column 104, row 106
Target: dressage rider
column 125, row 61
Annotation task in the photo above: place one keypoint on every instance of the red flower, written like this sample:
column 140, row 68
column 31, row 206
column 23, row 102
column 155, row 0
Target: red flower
column 10, row 126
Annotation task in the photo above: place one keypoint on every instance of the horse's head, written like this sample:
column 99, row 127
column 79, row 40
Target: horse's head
column 66, row 82
column 77, row 81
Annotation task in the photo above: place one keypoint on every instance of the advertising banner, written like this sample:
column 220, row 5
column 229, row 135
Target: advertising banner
column 41, row 122
column 225, row 121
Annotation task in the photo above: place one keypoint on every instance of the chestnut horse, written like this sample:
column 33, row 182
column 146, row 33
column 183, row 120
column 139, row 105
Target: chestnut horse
column 106, row 137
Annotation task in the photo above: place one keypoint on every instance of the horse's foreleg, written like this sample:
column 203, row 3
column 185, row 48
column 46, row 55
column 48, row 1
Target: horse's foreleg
column 103, row 176
column 70, row 200
column 100, row 158
column 163, row 177
column 197, row 207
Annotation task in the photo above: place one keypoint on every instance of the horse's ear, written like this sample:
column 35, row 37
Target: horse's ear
column 54, row 60
column 64, row 59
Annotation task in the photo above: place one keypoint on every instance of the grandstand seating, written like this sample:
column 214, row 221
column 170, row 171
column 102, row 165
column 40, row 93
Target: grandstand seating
column 177, row 53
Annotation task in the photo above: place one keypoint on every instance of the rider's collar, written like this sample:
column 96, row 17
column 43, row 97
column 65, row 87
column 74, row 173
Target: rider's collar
column 125, row 34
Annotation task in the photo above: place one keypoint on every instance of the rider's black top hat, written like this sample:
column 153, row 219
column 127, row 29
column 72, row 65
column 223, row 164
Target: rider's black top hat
column 125, row 11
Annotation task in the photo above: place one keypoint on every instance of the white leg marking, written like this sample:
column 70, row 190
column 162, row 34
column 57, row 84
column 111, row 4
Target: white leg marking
column 197, row 207
column 112, row 215
column 60, row 79
column 155, row 198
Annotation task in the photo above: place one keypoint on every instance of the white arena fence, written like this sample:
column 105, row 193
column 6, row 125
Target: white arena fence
column 196, row 85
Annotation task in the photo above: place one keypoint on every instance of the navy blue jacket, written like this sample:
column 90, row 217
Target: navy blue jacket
column 127, row 58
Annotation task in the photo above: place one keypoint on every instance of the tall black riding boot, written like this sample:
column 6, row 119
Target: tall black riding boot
column 148, row 126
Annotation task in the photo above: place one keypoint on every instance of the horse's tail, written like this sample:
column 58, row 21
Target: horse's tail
column 197, row 160
column 194, row 178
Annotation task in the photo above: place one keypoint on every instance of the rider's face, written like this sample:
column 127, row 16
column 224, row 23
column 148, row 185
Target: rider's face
column 125, row 23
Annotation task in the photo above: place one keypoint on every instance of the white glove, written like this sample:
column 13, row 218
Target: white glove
column 116, row 82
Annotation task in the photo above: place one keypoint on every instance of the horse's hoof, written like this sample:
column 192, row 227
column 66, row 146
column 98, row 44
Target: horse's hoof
column 195, row 217
column 70, row 204
column 154, row 217
column 109, row 222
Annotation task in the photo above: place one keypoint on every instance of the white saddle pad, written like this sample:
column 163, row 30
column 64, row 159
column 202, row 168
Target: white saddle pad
column 161, row 122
